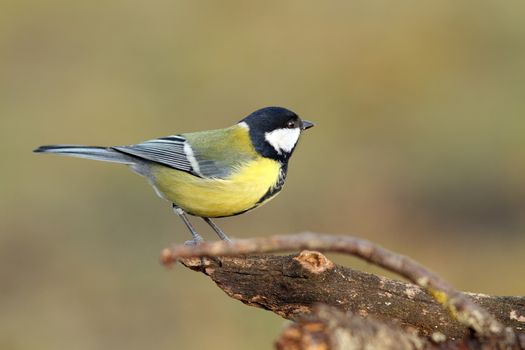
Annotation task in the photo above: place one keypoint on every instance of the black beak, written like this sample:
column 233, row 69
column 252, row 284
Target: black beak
column 307, row 124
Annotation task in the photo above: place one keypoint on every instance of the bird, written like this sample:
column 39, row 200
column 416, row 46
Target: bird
column 213, row 173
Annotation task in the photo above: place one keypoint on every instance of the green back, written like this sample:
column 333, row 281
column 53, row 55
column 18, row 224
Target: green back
column 219, row 152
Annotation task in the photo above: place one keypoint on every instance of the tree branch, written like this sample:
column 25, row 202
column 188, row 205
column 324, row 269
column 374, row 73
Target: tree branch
column 314, row 278
column 330, row 328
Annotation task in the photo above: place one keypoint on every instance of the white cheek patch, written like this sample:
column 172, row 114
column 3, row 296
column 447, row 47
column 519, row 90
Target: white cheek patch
column 283, row 140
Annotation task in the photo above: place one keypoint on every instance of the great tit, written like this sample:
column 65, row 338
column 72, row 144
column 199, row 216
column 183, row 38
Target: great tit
column 215, row 173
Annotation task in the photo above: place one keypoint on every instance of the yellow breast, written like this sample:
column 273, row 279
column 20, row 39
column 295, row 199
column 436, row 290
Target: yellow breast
column 218, row 197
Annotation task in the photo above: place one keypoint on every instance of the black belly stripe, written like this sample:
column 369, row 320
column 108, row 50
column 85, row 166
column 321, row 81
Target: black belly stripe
column 272, row 191
column 269, row 194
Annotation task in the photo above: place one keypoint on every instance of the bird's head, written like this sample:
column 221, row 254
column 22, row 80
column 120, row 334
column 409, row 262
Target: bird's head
column 275, row 131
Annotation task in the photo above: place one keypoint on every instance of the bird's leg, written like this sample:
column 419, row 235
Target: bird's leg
column 196, row 237
column 217, row 230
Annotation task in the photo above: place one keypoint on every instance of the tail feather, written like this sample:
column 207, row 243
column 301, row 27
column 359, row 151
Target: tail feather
column 89, row 152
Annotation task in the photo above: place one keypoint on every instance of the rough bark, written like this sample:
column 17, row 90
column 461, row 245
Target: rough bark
column 329, row 328
column 291, row 285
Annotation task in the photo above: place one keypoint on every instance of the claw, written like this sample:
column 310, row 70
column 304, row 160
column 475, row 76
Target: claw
column 194, row 242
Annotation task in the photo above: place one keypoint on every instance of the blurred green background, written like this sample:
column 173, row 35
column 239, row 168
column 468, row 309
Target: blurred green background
column 419, row 146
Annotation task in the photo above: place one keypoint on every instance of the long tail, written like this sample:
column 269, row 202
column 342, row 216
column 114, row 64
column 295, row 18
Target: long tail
column 90, row 152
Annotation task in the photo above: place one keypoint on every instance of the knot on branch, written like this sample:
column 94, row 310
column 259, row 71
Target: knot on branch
column 314, row 262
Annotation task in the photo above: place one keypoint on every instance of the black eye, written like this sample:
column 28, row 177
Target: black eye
column 291, row 124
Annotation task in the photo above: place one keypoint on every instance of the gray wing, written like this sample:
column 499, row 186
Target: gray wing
column 175, row 152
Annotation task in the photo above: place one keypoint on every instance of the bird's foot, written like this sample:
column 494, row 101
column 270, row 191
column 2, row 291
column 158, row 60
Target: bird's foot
column 227, row 240
column 195, row 241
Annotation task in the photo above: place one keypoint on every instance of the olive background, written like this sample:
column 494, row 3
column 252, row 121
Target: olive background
column 419, row 146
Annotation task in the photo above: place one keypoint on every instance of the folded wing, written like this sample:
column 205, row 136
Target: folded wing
column 176, row 152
